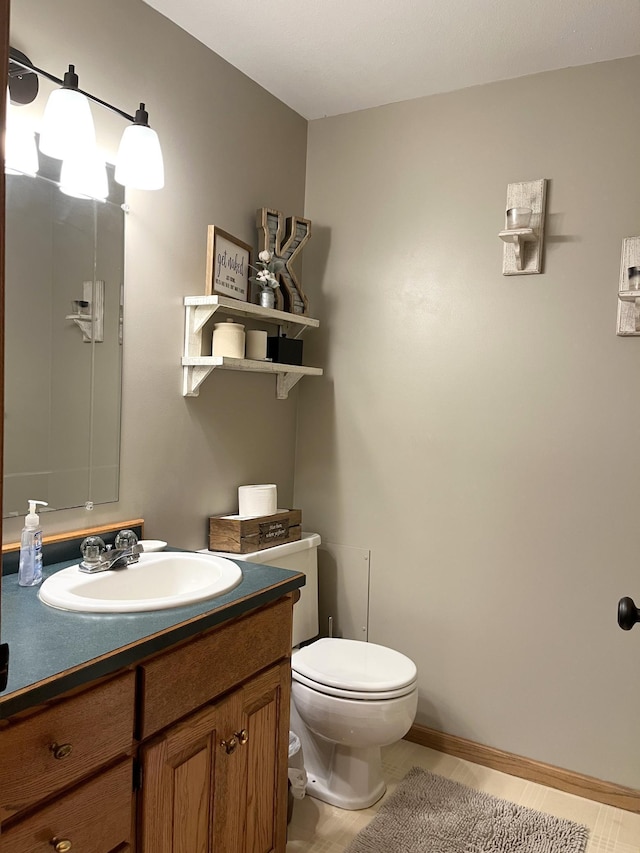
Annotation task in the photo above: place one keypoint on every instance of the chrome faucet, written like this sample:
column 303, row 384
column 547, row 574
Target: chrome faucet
column 99, row 557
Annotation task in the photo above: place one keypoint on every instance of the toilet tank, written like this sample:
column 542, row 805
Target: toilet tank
column 300, row 556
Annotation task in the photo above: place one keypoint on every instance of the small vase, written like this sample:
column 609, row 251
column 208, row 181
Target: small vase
column 267, row 298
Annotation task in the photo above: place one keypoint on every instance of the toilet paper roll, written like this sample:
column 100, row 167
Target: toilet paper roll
column 256, row 344
column 257, row 500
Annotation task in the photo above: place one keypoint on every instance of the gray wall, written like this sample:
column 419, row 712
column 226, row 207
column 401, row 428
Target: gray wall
column 477, row 432
column 229, row 148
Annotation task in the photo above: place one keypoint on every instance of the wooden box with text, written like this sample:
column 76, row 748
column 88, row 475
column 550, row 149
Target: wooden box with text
column 240, row 535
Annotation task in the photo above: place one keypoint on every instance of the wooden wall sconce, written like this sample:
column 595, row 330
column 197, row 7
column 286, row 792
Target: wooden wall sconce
column 629, row 288
column 523, row 234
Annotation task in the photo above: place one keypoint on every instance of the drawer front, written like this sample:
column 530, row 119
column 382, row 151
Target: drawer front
column 94, row 818
column 64, row 743
column 178, row 682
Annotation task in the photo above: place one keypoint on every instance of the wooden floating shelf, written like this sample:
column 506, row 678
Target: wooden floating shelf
column 196, row 367
column 204, row 307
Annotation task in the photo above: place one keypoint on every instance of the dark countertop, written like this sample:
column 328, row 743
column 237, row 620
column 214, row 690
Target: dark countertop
column 52, row 651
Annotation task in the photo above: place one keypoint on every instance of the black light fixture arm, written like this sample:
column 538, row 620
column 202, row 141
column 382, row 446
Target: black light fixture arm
column 18, row 63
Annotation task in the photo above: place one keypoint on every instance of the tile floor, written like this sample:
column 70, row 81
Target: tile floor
column 319, row 828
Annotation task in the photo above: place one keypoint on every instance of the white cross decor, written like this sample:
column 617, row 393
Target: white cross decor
column 290, row 295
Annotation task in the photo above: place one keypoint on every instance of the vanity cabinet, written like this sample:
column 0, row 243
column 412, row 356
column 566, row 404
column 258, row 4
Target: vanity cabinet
column 66, row 771
column 215, row 781
column 215, row 778
column 189, row 746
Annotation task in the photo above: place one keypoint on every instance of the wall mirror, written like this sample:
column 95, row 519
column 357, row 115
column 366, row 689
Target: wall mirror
column 63, row 337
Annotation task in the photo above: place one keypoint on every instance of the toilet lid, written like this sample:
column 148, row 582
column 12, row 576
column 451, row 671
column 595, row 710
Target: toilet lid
column 354, row 666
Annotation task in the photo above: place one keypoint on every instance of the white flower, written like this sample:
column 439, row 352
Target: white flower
column 266, row 279
column 265, row 256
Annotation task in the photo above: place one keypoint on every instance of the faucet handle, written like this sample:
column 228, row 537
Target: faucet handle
column 126, row 539
column 92, row 549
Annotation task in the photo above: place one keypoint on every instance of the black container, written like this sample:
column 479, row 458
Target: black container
column 284, row 350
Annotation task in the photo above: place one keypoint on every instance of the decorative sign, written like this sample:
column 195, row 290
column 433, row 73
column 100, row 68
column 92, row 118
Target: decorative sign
column 228, row 265
column 285, row 244
column 272, row 531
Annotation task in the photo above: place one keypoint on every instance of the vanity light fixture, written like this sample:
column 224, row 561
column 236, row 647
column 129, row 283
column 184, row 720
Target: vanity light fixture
column 68, row 134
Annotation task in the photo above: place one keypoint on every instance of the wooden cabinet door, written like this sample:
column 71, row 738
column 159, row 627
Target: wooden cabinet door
column 217, row 783
column 179, row 779
column 258, row 777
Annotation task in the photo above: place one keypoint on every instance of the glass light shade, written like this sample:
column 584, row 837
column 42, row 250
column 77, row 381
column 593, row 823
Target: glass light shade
column 85, row 176
column 21, row 152
column 67, row 124
column 139, row 164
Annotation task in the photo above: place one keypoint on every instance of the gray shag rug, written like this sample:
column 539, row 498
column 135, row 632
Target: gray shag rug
column 431, row 814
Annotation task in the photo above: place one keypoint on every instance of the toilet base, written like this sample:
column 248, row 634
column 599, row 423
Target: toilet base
column 341, row 740
column 354, row 780
column 343, row 776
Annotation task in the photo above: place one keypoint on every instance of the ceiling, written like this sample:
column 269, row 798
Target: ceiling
column 326, row 57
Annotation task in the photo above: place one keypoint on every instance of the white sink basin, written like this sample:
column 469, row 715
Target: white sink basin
column 157, row 581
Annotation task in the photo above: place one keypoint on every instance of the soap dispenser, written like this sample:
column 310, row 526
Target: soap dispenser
column 30, row 569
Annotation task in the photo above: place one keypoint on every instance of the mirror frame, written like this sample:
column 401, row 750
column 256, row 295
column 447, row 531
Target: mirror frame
column 4, row 63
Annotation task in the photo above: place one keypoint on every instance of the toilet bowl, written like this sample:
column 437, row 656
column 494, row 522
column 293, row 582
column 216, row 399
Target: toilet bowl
column 348, row 699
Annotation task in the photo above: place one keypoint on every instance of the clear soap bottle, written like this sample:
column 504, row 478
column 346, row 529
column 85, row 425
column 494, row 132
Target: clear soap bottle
column 30, row 569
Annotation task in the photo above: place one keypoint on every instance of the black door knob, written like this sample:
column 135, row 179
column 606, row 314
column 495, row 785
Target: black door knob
column 628, row 613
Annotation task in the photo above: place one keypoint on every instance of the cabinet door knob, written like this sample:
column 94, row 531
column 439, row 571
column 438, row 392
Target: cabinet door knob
column 61, row 751
column 229, row 745
column 243, row 736
column 61, row 845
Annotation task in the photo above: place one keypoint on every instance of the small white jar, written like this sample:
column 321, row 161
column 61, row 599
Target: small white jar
column 228, row 339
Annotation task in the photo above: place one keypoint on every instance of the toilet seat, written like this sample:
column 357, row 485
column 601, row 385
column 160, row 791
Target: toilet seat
column 353, row 669
column 361, row 695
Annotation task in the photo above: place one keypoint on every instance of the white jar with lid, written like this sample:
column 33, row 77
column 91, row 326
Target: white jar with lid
column 228, row 339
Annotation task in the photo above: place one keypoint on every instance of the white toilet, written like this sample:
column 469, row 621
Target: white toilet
column 349, row 698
